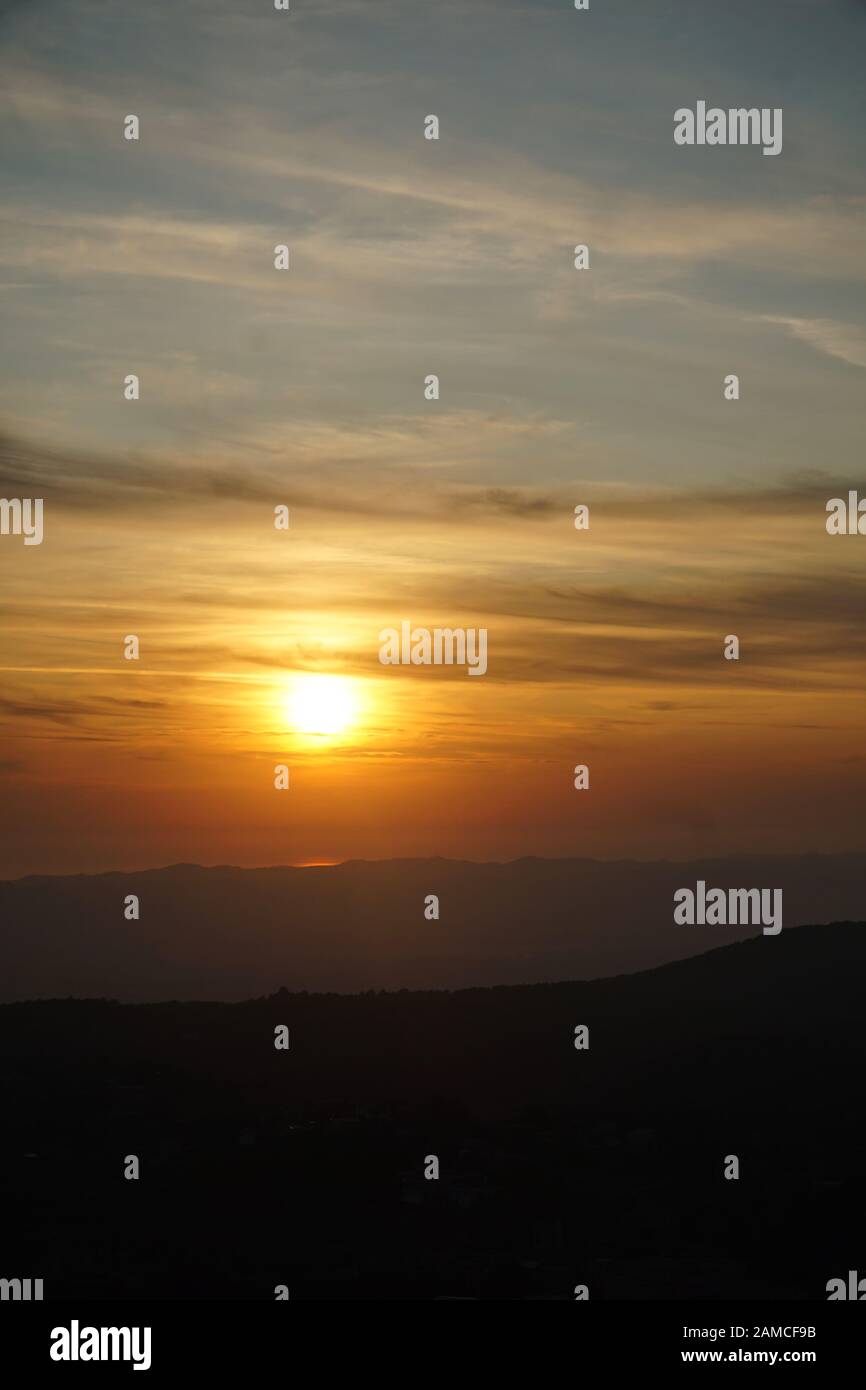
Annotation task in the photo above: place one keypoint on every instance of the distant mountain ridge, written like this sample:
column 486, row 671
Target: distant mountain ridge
column 229, row 933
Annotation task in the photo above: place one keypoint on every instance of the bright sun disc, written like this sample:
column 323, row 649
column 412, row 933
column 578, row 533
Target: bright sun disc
column 322, row 704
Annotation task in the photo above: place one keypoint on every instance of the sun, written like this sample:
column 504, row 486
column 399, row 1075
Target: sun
column 322, row 704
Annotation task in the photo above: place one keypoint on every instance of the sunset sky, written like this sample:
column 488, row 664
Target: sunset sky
column 305, row 388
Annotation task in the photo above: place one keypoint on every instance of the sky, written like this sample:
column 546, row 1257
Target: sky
column 305, row 388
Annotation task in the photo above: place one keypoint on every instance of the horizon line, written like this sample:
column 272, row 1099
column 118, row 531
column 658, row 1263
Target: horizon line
column 442, row 859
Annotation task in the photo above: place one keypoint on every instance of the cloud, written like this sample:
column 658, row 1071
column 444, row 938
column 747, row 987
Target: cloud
column 393, row 481
column 55, row 713
column 842, row 340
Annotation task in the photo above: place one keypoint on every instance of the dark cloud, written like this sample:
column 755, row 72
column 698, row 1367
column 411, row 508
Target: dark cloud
column 40, row 709
column 75, row 480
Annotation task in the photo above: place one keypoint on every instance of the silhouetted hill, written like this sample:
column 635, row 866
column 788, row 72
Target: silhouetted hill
column 228, row 933
column 558, row 1166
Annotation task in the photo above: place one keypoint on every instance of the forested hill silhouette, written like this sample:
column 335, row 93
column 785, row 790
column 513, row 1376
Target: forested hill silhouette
column 305, row 1166
column 697, row 1017
column 229, row 933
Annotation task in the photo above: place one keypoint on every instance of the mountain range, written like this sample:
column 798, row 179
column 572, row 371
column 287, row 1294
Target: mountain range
column 230, row 933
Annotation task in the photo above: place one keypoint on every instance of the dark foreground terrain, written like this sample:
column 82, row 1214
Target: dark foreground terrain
column 557, row 1167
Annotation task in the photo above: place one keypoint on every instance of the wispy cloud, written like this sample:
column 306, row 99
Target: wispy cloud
column 843, row 340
